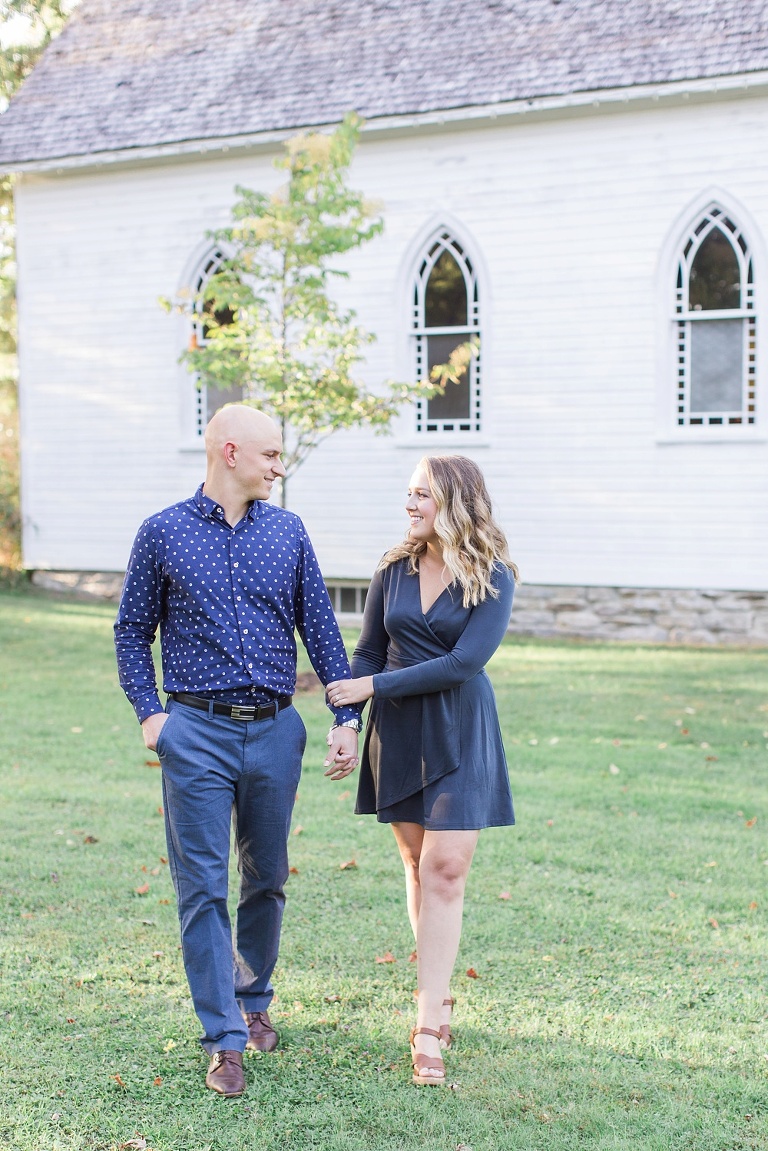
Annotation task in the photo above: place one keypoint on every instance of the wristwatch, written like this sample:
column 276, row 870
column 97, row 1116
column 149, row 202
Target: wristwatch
column 355, row 724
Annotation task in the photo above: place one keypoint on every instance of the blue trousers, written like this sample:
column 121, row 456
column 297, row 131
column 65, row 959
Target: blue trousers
column 219, row 772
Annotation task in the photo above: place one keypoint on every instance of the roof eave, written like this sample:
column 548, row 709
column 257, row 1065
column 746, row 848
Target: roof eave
column 574, row 103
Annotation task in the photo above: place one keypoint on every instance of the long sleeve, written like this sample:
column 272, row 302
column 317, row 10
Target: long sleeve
column 370, row 655
column 485, row 629
column 317, row 626
column 137, row 621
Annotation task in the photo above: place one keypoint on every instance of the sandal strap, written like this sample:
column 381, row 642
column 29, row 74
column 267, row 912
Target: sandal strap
column 427, row 1063
column 424, row 1031
column 449, row 1003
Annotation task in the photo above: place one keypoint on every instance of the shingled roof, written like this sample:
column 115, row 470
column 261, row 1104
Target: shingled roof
column 128, row 74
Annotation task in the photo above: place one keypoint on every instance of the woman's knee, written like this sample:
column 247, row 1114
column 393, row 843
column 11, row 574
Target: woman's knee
column 445, row 877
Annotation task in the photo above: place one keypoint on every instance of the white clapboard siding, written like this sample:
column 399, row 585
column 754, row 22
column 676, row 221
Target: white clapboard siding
column 568, row 220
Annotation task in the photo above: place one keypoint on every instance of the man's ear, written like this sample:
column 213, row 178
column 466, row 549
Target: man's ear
column 230, row 454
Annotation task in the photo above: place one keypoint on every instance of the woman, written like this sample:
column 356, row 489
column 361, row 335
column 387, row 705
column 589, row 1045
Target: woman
column 433, row 763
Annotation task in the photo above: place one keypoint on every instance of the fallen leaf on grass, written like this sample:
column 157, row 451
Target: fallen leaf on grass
column 151, row 762
column 387, row 957
column 169, row 1046
column 614, row 770
column 332, row 998
column 90, row 839
column 414, row 956
column 76, row 730
column 351, row 863
column 672, row 894
column 503, row 895
column 163, row 901
column 712, row 863
column 143, row 890
column 160, row 811
column 753, row 906
column 713, row 923
column 162, row 859
column 157, row 1081
column 751, row 822
column 293, row 870
column 344, row 795
column 297, row 830
column 472, row 973
column 134, row 1144
column 71, row 1021
column 550, row 823
column 711, row 759
column 120, row 1083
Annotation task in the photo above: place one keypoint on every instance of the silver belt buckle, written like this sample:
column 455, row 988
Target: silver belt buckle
column 244, row 712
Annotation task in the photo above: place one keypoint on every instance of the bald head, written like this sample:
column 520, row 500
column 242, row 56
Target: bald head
column 243, row 449
column 237, row 423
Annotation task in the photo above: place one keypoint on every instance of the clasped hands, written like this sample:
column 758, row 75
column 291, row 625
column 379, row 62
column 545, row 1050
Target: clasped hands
column 342, row 741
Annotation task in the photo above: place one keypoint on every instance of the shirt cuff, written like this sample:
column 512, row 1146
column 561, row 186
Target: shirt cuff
column 342, row 714
column 147, row 705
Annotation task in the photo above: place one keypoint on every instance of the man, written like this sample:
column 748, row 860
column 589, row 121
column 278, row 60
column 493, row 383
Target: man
column 227, row 577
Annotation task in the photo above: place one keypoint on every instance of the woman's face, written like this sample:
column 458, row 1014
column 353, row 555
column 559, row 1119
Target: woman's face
column 421, row 508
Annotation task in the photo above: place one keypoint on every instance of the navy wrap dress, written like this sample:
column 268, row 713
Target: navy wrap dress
column 433, row 752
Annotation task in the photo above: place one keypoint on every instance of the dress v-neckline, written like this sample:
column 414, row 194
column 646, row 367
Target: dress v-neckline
column 425, row 611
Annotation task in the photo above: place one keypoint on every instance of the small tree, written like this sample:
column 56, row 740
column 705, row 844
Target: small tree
column 270, row 324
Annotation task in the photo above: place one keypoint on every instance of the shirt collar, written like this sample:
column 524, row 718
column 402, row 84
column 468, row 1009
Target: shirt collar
column 211, row 510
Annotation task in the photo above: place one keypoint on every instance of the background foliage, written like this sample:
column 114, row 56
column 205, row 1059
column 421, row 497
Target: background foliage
column 26, row 29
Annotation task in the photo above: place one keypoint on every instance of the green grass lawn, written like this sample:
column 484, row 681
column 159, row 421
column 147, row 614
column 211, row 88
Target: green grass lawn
column 617, row 933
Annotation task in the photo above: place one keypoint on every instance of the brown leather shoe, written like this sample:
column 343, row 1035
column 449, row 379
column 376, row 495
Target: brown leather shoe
column 225, row 1073
column 261, row 1034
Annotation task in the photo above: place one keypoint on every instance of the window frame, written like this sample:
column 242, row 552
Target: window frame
column 440, row 240
column 688, row 419
column 207, row 267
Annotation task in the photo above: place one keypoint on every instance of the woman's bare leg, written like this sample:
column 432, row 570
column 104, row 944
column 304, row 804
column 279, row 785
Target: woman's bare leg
column 437, row 864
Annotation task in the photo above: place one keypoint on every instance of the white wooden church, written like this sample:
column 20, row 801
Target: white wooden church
column 582, row 183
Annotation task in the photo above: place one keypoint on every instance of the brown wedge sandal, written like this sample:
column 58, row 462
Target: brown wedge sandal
column 422, row 1063
column 446, row 1035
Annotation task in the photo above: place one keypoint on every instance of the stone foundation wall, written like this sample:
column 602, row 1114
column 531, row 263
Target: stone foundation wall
column 631, row 615
column 643, row 615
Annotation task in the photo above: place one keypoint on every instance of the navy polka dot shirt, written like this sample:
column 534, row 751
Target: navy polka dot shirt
column 227, row 601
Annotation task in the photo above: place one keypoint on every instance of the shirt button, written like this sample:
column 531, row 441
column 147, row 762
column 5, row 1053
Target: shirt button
column 245, row 631
column 239, row 598
column 235, row 565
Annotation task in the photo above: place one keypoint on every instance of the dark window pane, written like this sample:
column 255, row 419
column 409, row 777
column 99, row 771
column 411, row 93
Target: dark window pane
column 445, row 300
column 348, row 599
column 454, row 403
column 716, row 365
column 212, row 306
column 715, row 281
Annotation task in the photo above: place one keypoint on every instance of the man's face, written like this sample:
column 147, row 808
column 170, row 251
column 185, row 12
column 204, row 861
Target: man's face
column 259, row 464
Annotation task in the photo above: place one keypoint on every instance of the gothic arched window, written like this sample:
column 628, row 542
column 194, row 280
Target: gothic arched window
column 716, row 324
column 445, row 315
column 207, row 399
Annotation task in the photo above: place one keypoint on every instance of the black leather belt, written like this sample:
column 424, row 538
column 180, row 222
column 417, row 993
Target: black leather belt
column 246, row 712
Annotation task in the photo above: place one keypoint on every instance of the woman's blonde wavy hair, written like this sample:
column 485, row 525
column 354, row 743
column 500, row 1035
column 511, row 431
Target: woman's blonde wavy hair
column 472, row 541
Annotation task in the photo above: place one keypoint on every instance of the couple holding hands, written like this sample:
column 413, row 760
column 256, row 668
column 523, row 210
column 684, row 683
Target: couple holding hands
column 228, row 578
